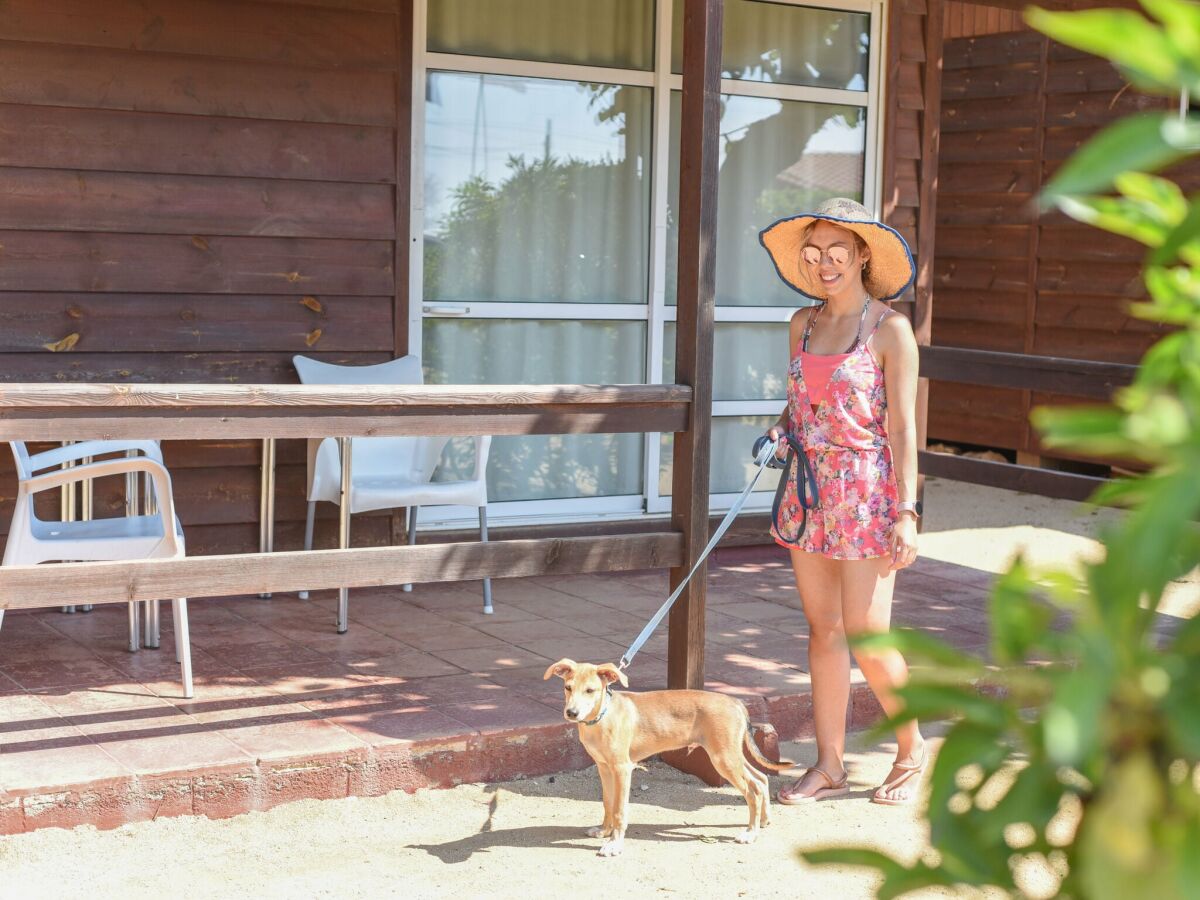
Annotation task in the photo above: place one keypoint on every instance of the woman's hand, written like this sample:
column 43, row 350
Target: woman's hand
column 775, row 432
column 904, row 542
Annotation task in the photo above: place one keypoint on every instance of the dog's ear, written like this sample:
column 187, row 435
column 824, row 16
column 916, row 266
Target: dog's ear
column 562, row 669
column 609, row 673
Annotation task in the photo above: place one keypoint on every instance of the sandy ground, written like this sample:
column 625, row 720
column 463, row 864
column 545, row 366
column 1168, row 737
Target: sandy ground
column 525, row 839
column 985, row 528
column 522, row 839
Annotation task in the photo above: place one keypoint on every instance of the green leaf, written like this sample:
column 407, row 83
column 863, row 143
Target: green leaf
column 1145, row 142
column 898, row 878
column 966, row 744
column 1117, row 849
column 1117, row 216
column 1182, row 21
column 1138, row 46
column 1032, row 798
column 1018, row 620
column 1183, row 233
column 934, row 701
column 1093, row 430
column 919, row 646
column 1071, row 721
column 1159, row 198
column 1181, row 709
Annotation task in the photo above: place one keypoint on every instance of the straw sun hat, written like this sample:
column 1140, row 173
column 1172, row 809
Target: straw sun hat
column 886, row 276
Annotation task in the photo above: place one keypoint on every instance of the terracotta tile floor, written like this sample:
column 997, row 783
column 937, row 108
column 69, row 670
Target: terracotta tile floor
column 274, row 682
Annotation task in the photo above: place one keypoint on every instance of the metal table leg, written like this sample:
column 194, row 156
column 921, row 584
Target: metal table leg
column 266, row 502
column 345, row 447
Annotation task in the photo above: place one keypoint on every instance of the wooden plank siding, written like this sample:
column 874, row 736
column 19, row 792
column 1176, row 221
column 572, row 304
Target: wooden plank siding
column 194, row 191
column 971, row 19
column 1015, row 106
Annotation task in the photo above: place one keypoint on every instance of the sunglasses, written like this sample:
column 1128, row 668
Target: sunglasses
column 839, row 256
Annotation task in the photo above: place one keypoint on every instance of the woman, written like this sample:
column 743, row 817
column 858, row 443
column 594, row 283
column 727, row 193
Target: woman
column 852, row 385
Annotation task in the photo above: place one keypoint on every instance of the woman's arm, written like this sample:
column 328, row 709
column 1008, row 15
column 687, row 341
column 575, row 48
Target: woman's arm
column 898, row 355
column 795, row 330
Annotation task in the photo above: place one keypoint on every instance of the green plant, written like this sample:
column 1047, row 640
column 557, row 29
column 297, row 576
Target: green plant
column 1076, row 753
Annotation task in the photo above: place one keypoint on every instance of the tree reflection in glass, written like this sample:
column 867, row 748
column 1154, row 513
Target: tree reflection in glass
column 536, row 190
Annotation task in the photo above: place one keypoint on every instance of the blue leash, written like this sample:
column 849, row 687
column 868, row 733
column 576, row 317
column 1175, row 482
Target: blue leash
column 764, row 454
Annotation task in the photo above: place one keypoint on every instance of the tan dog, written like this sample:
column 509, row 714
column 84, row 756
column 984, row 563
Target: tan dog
column 620, row 730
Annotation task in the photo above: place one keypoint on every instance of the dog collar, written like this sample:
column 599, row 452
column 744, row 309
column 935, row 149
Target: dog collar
column 603, row 706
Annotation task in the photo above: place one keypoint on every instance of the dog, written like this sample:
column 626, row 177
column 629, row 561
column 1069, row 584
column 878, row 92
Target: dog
column 619, row 730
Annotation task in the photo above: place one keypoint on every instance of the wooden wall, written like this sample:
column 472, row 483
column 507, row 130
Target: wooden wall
column 1014, row 106
column 911, row 127
column 970, row 19
column 194, row 191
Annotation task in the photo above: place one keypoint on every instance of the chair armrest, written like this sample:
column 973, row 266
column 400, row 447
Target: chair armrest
column 156, row 470
column 75, row 452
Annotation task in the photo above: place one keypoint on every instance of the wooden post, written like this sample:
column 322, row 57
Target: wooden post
column 1027, row 453
column 404, row 150
column 931, row 132
column 698, row 169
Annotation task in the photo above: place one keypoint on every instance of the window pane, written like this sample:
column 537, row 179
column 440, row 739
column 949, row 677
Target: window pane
column 749, row 360
column 786, row 44
column 535, row 190
column 732, row 466
column 777, row 158
column 615, row 33
column 532, row 351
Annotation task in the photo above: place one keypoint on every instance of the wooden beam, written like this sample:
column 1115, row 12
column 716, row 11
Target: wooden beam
column 1045, row 482
column 28, row 587
column 181, row 412
column 698, row 170
column 931, row 131
column 1047, row 374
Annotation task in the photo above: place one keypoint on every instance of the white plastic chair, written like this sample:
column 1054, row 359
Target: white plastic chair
column 32, row 540
column 389, row 472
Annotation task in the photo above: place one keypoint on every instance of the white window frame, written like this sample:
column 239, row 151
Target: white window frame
column 655, row 313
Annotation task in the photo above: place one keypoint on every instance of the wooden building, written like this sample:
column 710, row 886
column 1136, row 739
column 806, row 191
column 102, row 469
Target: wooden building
column 195, row 190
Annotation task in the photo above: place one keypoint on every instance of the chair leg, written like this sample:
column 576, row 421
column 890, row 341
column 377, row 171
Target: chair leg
column 135, row 641
column 412, row 536
column 151, row 626
column 345, row 493
column 309, row 521
column 487, row 582
column 183, row 644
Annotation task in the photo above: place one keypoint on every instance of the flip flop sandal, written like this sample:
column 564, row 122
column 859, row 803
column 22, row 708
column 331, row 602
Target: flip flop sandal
column 832, row 789
column 908, row 771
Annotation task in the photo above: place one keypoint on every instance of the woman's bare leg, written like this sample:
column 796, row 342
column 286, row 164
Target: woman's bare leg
column 828, row 663
column 866, row 593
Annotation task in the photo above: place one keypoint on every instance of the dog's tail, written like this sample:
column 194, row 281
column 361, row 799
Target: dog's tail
column 757, row 755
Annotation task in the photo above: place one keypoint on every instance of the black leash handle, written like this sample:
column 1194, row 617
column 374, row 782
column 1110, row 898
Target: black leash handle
column 796, row 466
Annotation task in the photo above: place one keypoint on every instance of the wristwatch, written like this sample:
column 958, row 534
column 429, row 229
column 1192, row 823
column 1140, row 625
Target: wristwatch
column 912, row 506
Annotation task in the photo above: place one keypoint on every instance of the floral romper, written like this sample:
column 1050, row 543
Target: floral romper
column 845, row 439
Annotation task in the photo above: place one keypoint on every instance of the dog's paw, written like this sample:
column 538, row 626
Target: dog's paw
column 599, row 831
column 749, row 836
column 612, row 848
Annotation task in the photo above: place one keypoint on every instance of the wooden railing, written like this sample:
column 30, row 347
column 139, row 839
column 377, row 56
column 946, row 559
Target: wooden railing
column 55, row 412
column 1072, row 377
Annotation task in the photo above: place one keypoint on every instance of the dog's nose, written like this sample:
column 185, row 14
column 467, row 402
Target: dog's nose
column 572, row 713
